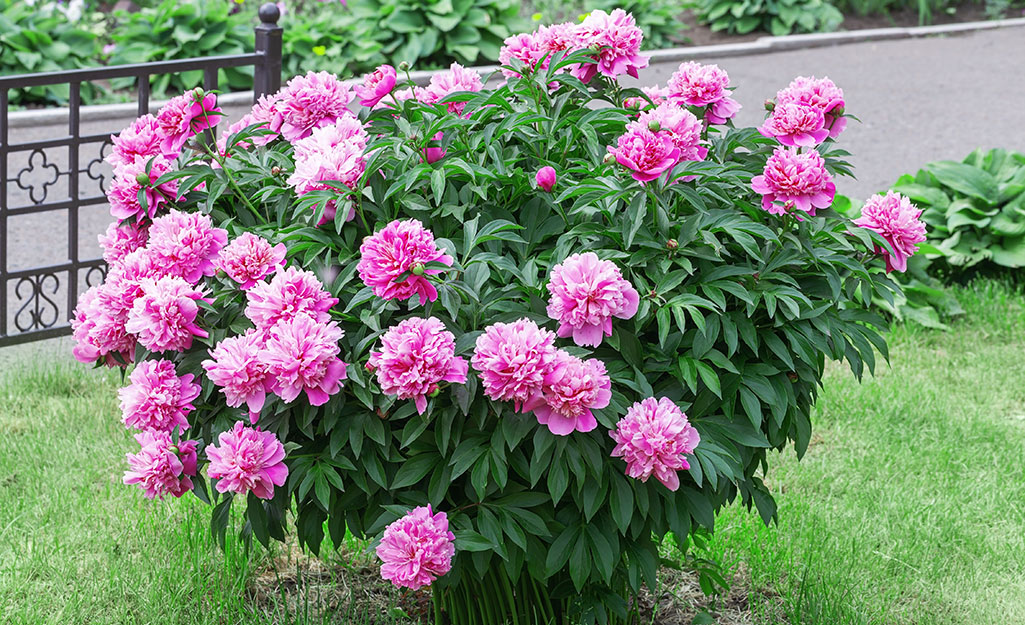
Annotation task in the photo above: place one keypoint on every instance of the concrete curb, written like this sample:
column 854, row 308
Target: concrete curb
column 762, row 45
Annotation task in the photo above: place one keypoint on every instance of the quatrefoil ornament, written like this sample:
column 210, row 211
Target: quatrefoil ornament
column 33, row 177
column 98, row 169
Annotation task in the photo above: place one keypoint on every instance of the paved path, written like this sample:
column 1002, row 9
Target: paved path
column 919, row 100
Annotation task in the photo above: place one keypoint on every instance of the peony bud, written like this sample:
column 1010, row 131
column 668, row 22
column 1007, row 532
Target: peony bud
column 672, row 244
column 545, row 178
column 404, row 66
column 434, row 393
column 418, row 269
column 654, row 126
column 274, row 171
column 837, row 111
column 173, row 449
column 142, row 178
column 198, row 93
column 608, row 159
column 770, row 105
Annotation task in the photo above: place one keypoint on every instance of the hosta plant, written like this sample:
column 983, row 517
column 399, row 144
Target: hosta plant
column 514, row 335
column 975, row 210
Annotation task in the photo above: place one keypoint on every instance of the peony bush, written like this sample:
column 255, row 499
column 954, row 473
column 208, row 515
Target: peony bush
column 514, row 334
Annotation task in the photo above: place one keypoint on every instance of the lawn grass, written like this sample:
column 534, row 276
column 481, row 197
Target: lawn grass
column 909, row 507
column 910, row 504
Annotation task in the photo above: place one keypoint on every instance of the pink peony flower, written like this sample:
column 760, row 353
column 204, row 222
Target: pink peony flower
column 247, row 460
column 330, row 154
column 302, row 355
column 513, row 360
column 444, row 84
column 818, row 93
column 530, row 49
column 376, row 85
column 248, row 258
column 187, row 244
column 98, row 333
column 291, row 293
column 896, row 219
column 652, row 438
column 158, row 398
column 185, row 116
column 570, row 391
column 237, row 368
column 401, row 247
column 795, row 180
column 695, row 84
column 265, row 114
column 312, row 101
column 587, row 293
column 657, row 94
column 619, row 41
column 647, row 154
column 682, row 127
column 123, row 194
column 417, row 549
column 120, row 240
column 161, row 467
column 545, row 178
column 140, row 141
column 795, row 124
column 164, row 317
column 415, row 356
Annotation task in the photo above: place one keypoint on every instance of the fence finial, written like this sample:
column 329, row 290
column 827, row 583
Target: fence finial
column 269, row 13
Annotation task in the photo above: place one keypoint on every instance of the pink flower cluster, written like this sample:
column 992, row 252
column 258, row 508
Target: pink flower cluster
column 415, row 356
column 331, row 153
column 150, row 294
column 570, row 391
column 614, row 37
column 513, row 360
column 794, row 180
column 820, row 94
column 140, row 141
column 707, row 86
column 417, row 549
column 140, row 175
column 247, row 460
column 806, row 113
column 376, row 86
column 519, row 362
column 293, row 348
column 656, row 94
column 587, row 293
column 158, row 398
column 444, row 84
column 162, row 467
column 652, row 438
column 647, row 154
column 185, row 116
column 249, row 258
column 896, row 219
column 393, row 261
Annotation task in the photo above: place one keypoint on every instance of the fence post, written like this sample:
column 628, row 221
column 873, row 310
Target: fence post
column 267, row 73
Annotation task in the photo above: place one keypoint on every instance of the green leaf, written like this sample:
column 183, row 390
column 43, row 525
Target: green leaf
column 966, row 179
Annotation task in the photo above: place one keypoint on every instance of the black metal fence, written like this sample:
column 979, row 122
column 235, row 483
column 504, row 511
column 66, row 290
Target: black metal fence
column 36, row 302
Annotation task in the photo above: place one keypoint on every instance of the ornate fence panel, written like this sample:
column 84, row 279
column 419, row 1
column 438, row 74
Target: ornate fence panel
column 52, row 180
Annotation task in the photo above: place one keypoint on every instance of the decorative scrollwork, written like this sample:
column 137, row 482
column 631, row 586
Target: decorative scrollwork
column 37, row 187
column 42, row 312
column 93, row 170
column 95, row 275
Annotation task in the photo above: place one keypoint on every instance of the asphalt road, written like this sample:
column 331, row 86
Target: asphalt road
column 919, row 100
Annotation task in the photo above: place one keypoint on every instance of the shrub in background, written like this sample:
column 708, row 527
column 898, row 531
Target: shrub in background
column 778, row 17
column 516, row 335
column 44, row 38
